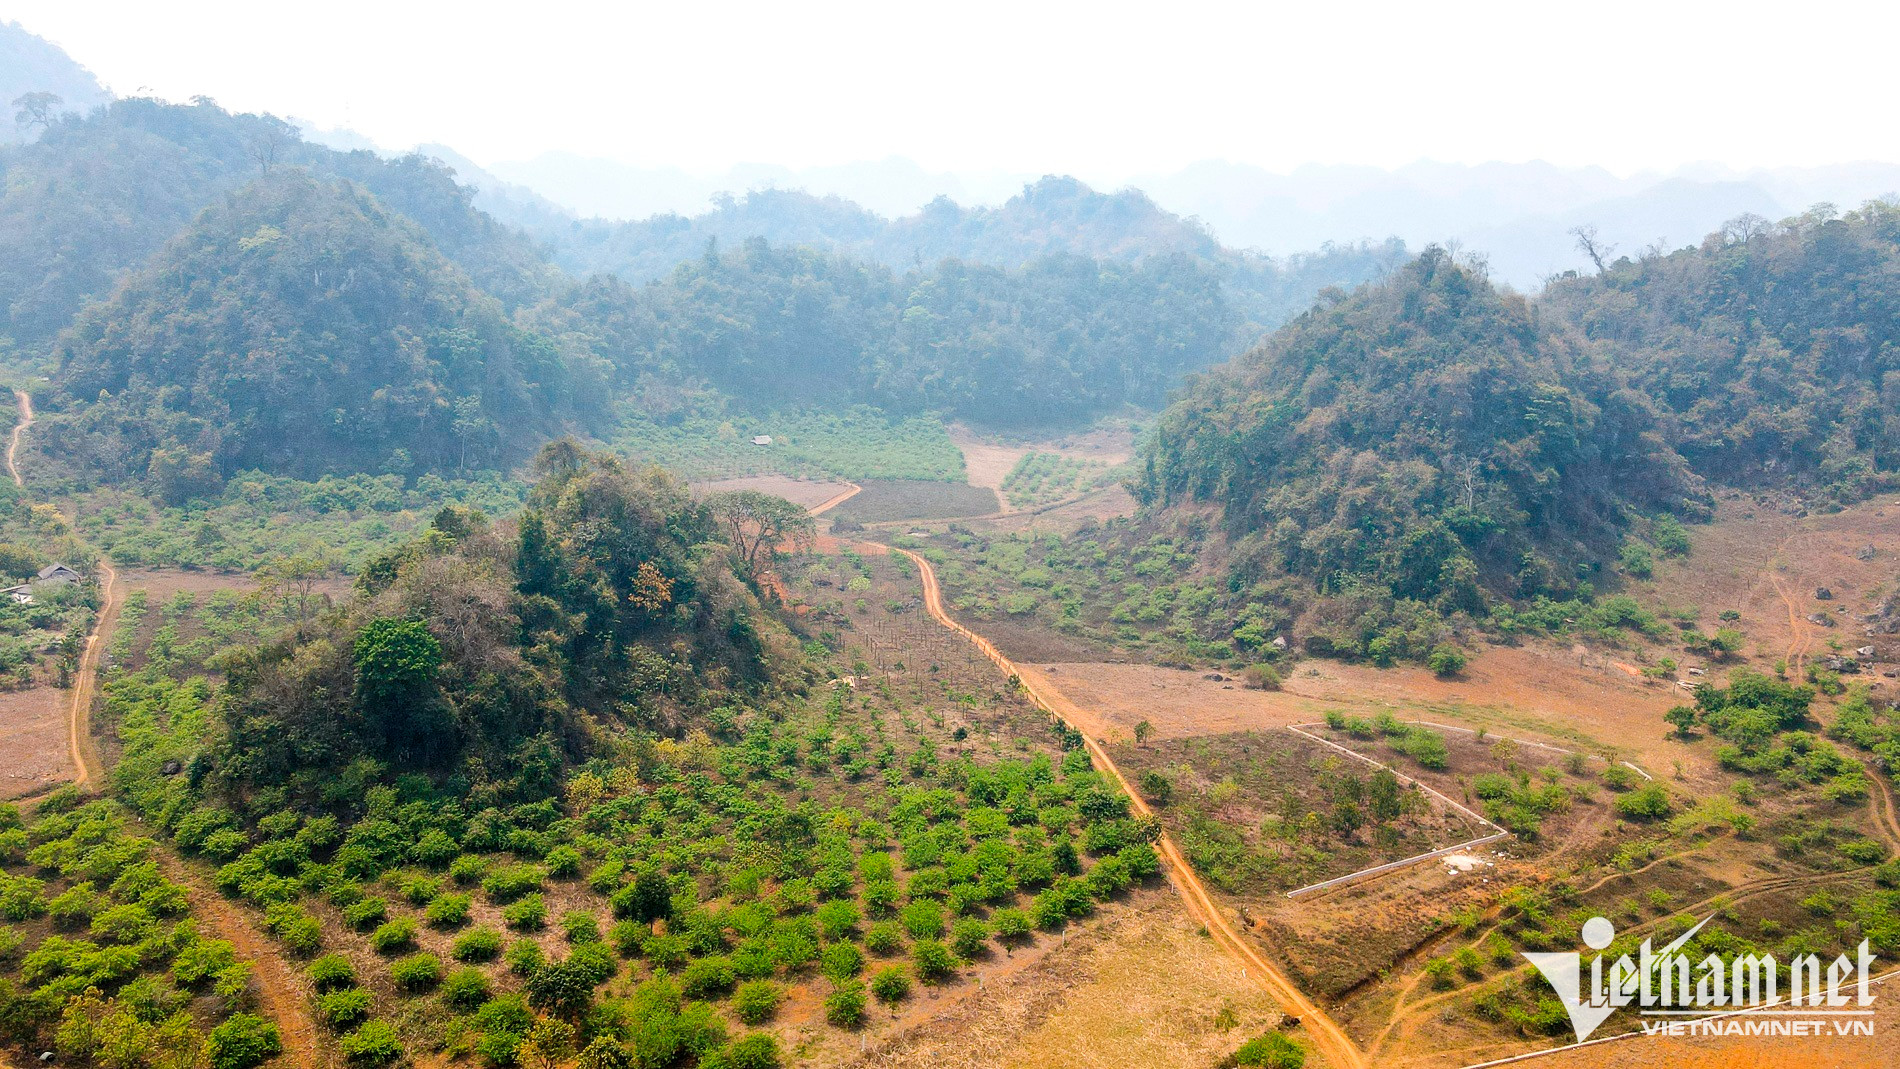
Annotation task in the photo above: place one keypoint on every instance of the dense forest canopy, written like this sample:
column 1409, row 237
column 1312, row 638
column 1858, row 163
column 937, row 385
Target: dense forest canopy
column 1058, row 340
column 1772, row 348
column 301, row 327
column 94, row 197
column 1432, row 438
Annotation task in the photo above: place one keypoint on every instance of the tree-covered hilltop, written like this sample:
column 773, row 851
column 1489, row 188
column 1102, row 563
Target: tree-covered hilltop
column 498, row 655
column 299, row 326
column 1431, row 441
column 1058, row 340
column 94, row 197
column 1772, row 347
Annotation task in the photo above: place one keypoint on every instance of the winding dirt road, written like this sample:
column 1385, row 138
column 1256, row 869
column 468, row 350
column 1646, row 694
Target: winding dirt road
column 1334, row 1044
column 276, row 983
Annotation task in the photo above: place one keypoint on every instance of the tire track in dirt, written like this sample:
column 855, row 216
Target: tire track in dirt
column 279, row 989
column 1800, row 632
column 1334, row 1044
column 1884, row 809
column 275, row 982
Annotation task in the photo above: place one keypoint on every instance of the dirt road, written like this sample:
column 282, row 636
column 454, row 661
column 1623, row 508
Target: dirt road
column 834, row 502
column 276, row 983
column 1334, row 1045
column 86, row 684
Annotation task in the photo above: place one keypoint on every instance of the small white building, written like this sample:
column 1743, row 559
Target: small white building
column 761, row 439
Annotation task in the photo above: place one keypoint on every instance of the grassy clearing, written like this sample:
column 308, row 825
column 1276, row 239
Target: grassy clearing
column 856, row 444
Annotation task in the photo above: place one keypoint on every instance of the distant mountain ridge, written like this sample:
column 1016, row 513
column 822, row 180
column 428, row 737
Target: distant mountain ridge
column 1518, row 215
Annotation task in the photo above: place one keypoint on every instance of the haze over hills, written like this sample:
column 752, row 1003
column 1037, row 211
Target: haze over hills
column 32, row 64
column 1519, row 215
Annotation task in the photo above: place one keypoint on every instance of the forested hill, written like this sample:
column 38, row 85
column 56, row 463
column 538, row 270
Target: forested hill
column 494, row 655
column 1056, row 216
column 1774, row 348
column 300, row 326
column 1060, row 339
column 1431, row 438
column 94, row 197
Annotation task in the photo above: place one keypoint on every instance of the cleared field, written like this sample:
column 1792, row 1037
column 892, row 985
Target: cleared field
column 888, row 500
column 1553, row 693
column 34, row 755
column 1140, row 990
column 803, row 492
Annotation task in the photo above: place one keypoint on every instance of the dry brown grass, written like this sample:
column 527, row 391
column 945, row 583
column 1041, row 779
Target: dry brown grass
column 1140, row 988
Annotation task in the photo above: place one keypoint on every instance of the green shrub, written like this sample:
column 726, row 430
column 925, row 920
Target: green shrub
column 376, row 1043
column 1446, row 660
column 932, row 960
column 756, row 1001
column 330, row 972
column 579, row 926
column 968, row 937
column 511, row 882
column 344, row 1009
column 1011, row 925
column 891, row 984
column 1261, row 677
column 885, row 937
column 1271, row 1051
column 393, row 936
column 562, row 863
column 758, row 1050
column 924, row 920
column 841, row 961
column 242, row 1041
column 417, row 972
column 468, row 869
column 707, row 977
column 844, row 1007
column 465, row 989
column 478, row 944
column 447, row 911
column 365, row 913
column 1649, row 802
column 530, row 914
column 524, row 957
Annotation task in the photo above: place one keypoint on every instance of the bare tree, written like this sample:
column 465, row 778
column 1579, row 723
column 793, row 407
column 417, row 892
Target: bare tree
column 37, row 109
column 1464, row 470
column 1745, row 228
column 1598, row 250
column 267, row 141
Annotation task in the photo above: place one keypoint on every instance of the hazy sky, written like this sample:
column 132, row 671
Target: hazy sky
column 1100, row 90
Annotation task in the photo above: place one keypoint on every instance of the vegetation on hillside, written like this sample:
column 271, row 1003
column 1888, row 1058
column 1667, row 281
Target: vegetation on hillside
column 1059, row 339
column 300, row 327
column 1771, row 349
column 139, row 170
column 463, row 800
